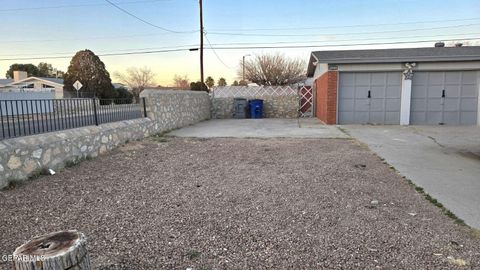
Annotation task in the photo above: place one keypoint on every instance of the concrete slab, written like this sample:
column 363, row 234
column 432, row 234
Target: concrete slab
column 445, row 161
column 260, row 128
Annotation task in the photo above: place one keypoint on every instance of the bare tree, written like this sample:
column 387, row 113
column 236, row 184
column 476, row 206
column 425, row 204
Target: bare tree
column 181, row 82
column 137, row 79
column 273, row 69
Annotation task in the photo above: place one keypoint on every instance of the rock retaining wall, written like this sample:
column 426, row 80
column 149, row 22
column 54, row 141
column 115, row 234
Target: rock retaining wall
column 24, row 157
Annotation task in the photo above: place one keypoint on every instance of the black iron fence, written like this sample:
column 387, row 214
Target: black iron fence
column 26, row 117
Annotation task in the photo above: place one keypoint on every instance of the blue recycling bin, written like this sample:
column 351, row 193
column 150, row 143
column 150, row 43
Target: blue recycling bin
column 256, row 108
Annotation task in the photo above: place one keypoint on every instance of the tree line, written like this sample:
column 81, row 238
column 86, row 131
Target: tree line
column 86, row 67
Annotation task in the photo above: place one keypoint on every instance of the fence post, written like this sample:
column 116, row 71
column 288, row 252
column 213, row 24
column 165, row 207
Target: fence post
column 95, row 110
column 144, row 107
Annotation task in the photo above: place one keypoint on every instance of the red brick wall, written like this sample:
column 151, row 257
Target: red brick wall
column 326, row 100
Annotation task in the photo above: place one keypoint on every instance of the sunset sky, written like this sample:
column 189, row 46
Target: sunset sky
column 35, row 29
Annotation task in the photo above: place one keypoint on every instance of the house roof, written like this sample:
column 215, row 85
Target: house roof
column 429, row 54
column 5, row 81
column 58, row 81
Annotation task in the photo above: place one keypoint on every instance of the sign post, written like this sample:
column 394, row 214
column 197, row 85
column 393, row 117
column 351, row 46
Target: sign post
column 77, row 85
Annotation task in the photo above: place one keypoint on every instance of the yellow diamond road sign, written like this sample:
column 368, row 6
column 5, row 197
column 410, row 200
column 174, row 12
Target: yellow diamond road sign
column 77, row 85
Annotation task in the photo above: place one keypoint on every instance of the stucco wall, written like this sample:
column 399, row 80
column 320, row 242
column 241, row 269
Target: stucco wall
column 24, row 157
column 273, row 107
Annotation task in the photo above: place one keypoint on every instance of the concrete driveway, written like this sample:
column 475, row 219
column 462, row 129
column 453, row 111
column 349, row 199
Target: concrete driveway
column 260, row 128
column 445, row 161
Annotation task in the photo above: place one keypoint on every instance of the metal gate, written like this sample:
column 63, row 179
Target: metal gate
column 306, row 101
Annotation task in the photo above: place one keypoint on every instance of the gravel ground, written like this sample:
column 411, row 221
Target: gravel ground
column 239, row 204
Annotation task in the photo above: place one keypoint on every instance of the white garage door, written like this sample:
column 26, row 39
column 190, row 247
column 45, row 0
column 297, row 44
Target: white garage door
column 449, row 98
column 369, row 98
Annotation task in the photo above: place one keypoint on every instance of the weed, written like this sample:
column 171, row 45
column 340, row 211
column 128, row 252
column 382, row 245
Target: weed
column 476, row 233
column 193, row 254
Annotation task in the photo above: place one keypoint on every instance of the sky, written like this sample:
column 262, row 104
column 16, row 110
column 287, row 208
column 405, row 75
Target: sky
column 35, row 29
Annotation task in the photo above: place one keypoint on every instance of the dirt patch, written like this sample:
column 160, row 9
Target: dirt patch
column 240, row 204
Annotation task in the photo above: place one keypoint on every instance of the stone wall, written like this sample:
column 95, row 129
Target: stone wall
column 273, row 106
column 21, row 158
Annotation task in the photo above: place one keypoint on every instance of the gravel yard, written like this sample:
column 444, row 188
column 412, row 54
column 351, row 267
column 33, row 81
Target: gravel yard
column 180, row 203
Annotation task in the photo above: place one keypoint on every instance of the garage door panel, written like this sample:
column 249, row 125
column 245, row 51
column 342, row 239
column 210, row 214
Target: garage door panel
column 469, row 77
column 347, row 92
column 346, row 105
column 468, row 118
column 468, row 104
column 417, row 118
column 346, row 117
column 451, row 118
column 453, row 77
column 434, row 118
column 435, row 91
column 420, row 78
column 377, row 91
column 361, row 117
column 393, row 91
column 394, row 78
column 361, row 105
column 452, row 91
column 434, row 104
column 419, row 105
column 385, row 92
column 377, row 117
column 392, row 118
column 420, row 91
column 378, row 79
column 362, row 79
column 347, row 79
column 377, row 105
column 361, row 91
column 469, row 90
column 392, row 105
column 459, row 106
column 451, row 104
column 435, row 78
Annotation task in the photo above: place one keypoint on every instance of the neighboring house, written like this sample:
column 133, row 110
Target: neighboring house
column 420, row 86
column 21, row 82
column 121, row 85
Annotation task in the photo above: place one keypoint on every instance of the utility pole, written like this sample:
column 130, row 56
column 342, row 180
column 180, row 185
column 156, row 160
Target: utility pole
column 243, row 65
column 201, row 45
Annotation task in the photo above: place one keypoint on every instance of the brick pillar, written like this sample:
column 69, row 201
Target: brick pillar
column 326, row 100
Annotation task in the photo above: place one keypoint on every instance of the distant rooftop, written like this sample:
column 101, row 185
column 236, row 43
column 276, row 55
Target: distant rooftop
column 5, row 81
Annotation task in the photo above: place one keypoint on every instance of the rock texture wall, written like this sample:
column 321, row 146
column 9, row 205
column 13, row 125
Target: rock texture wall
column 21, row 158
column 273, row 107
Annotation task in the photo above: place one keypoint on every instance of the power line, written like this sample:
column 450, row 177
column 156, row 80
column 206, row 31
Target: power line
column 238, row 34
column 147, row 22
column 336, row 45
column 106, row 54
column 243, row 48
column 218, row 57
column 256, row 43
column 80, row 5
column 339, row 34
column 345, row 26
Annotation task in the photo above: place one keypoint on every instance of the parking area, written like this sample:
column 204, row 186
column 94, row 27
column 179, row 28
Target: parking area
column 260, row 128
column 444, row 160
